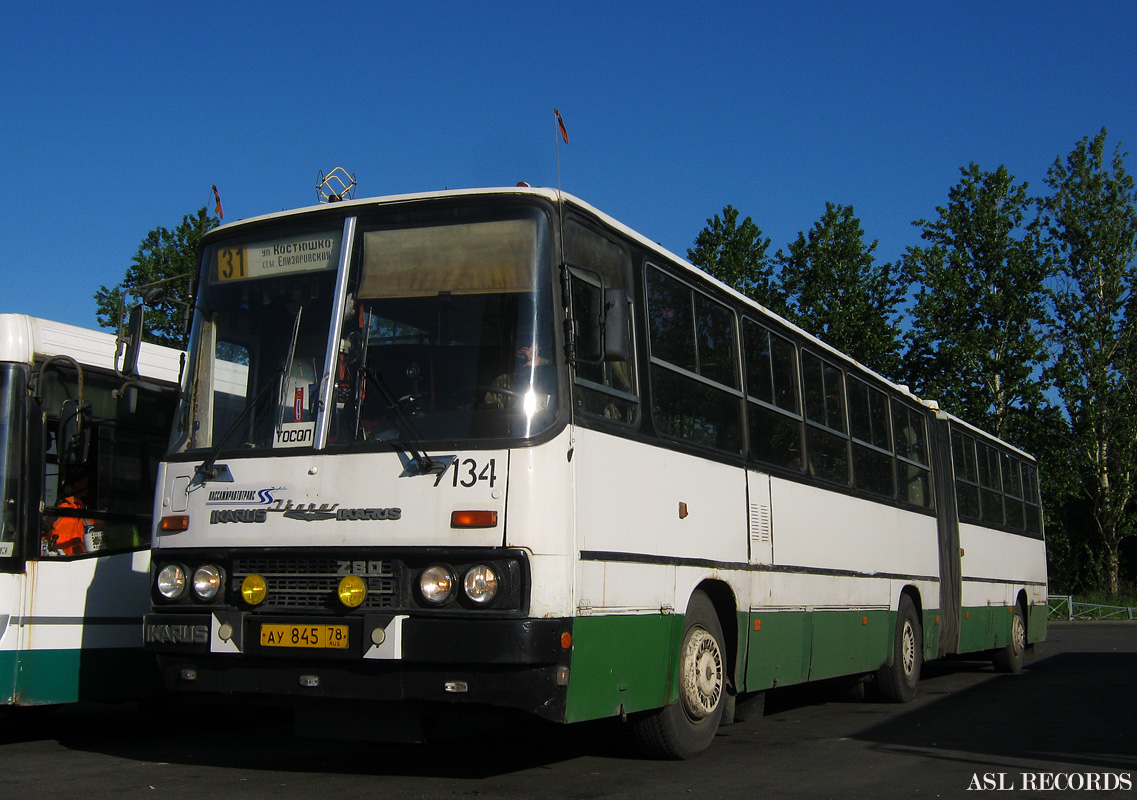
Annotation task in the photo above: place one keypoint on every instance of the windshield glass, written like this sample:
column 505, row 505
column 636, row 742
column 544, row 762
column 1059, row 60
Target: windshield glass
column 12, row 377
column 449, row 336
column 260, row 333
column 446, row 335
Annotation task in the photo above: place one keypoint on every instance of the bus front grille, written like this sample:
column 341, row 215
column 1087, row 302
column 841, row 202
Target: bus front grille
column 311, row 583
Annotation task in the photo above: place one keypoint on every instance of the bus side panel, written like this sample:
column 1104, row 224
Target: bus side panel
column 10, row 593
column 778, row 649
column 621, row 664
column 104, row 675
column 81, row 631
column 988, row 605
column 847, row 642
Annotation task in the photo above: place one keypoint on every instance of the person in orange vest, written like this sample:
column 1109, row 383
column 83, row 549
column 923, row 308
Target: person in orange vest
column 66, row 535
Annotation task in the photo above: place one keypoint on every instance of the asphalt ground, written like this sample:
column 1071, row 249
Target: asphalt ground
column 1065, row 727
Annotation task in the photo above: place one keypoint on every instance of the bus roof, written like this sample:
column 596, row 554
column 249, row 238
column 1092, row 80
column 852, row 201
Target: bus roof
column 24, row 338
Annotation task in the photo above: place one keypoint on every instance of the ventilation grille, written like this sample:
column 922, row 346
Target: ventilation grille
column 761, row 527
column 311, row 583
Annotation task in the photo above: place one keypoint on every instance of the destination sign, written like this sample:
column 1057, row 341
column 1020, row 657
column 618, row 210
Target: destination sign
column 307, row 253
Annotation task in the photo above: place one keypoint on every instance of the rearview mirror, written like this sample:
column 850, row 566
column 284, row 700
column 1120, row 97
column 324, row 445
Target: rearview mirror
column 133, row 341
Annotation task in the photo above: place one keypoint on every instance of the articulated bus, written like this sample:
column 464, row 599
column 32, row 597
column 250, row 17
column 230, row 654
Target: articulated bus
column 78, row 465
column 493, row 450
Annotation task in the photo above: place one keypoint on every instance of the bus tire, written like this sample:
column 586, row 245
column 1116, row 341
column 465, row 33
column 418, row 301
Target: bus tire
column 898, row 679
column 687, row 727
column 1010, row 658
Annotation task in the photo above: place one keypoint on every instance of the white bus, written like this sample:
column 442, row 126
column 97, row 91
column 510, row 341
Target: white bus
column 77, row 473
column 496, row 450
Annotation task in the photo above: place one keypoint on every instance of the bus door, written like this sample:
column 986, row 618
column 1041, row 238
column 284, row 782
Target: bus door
column 86, row 579
column 948, row 532
column 760, row 518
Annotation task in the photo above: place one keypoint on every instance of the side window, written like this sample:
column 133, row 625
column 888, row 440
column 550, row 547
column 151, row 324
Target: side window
column 774, row 407
column 966, row 475
column 914, row 484
column 1012, row 486
column 694, row 357
column 1033, row 504
column 104, row 504
column 991, row 484
column 872, row 439
column 826, row 434
column 607, row 389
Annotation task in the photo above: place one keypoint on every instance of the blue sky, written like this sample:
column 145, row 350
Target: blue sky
column 117, row 117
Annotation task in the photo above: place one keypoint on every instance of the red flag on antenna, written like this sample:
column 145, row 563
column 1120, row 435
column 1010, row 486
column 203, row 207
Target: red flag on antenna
column 217, row 208
column 561, row 126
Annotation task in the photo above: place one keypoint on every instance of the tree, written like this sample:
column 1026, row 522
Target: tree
column 1090, row 225
column 162, row 256
column 736, row 255
column 977, row 342
column 836, row 291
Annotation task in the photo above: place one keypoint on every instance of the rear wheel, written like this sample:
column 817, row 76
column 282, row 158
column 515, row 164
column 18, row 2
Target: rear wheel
column 897, row 680
column 1010, row 658
column 687, row 727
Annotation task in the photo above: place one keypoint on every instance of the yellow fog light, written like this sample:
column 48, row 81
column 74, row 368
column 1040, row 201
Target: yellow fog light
column 254, row 589
column 352, row 590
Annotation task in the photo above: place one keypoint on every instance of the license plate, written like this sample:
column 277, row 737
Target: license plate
column 318, row 636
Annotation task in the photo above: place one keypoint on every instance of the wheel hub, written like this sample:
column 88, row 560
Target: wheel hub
column 702, row 679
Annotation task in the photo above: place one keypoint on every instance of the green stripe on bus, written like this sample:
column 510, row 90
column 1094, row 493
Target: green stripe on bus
column 44, row 677
column 989, row 627
column 621, row 664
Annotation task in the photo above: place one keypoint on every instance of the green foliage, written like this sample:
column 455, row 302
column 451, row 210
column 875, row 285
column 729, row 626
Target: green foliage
column 163, row 255
column 1090, row 223
column 1021, row 321
column 837, row 292
column 976, row 342
column 736, row 254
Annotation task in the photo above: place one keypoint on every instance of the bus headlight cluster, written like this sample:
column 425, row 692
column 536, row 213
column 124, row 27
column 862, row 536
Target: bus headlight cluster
column 173, row 581
column 439, row 585
column 207, row 581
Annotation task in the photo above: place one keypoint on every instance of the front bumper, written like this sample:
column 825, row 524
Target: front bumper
column 515, row 664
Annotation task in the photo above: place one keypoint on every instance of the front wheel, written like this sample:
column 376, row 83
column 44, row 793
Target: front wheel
column 897, row 680
column 1010, row 658
column 686, row 728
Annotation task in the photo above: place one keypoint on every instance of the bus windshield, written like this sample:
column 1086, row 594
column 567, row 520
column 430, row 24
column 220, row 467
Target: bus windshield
column 11, row 446
column 444, row 334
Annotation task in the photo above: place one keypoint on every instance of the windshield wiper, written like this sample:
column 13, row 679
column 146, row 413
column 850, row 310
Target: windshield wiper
column 205, row 471
column 422, row 461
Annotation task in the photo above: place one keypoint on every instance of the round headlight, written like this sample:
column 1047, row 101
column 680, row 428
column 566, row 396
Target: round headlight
column 207, row 581
column 352, row 590
column 171, row 581
column 253, row 589
column 436, row 584
column 481, row 584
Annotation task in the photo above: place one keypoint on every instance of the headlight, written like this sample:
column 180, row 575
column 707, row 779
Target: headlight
column 481, row 584
column 352, row 591
column 172, row 581
column 207, row 581
column 254, row 589
column 436, row 584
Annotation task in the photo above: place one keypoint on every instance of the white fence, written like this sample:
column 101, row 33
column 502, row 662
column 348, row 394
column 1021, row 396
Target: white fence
column 1062, row 606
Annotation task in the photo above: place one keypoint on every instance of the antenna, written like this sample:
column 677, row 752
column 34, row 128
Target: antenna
column 561, row 133
column 335, row 186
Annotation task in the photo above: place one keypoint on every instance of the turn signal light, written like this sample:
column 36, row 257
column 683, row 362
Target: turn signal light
column 473, row 519
column 174, row 524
